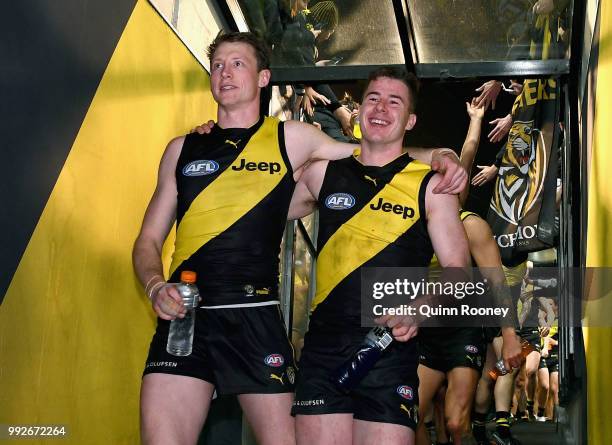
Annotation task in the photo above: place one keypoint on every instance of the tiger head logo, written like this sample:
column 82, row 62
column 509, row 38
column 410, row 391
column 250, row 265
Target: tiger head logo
column 521, row 174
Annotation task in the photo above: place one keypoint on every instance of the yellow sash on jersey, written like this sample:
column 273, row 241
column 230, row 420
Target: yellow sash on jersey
column 232, row 194
column 369, row 231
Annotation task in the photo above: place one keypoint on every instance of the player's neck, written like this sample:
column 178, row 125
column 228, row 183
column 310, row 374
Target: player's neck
column 379, row 154
column 237, row 117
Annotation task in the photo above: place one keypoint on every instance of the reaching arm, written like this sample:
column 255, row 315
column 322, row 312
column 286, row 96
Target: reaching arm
column 158, row 220
column 470, row 145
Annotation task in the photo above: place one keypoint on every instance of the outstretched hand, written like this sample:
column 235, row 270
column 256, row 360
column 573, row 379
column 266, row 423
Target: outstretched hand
column 474, row 111
column 486, row 174
column 488, row 94
column 501, row 129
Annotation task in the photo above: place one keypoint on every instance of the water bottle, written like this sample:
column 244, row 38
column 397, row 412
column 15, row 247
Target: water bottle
column 499, row 369
column 347, row 376
column 180, row 336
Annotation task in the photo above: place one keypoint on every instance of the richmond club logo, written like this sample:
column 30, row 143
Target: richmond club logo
column 339, row 201
column 200, row 168
column 521, row 174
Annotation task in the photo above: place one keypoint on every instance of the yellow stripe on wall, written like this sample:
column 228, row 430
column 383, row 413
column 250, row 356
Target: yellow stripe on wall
column 598, row 341
column 369, row 231
column 74, row 325
column 210, row 213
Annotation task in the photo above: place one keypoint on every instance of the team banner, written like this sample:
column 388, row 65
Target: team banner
column 527, row 177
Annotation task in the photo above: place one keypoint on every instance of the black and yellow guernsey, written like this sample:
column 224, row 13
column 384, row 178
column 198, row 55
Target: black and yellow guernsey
column 368, row 217
column 234, row 188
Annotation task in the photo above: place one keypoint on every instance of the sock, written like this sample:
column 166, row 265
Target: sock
column 520, row 414
column 530, row 407
column 540, row 412
column 502, row 423
column 430, row 427
column 479, row 427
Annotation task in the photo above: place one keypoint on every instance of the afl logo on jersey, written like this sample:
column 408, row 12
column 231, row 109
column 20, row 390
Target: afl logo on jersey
column 274, row 360
column 405, row 392
column 200, row 168
column 339, row 201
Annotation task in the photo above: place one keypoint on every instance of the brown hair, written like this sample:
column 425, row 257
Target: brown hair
column 408, row 78
column 262, row 52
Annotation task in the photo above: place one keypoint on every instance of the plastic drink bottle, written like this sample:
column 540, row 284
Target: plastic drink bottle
column 180, row 336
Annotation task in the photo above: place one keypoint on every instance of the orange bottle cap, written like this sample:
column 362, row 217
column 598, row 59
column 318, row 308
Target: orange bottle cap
column 187, row 276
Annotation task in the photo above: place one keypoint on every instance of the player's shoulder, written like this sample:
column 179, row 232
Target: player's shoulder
column 315, row 170
column 177, row 141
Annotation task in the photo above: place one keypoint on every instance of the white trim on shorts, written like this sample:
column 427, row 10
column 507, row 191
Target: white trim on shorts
column 233, row 306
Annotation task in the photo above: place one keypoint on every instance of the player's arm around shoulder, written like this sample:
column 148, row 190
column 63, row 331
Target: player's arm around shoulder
column 306, row 143
column 445, row 228
column 306, row 193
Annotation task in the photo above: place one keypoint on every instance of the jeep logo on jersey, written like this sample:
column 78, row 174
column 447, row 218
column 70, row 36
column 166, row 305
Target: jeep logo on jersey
column 398, row 209
column 471, row 349
column 274, row 360
column 339, row 201
column 271, row 167
column 405, row 392
column 200, row 168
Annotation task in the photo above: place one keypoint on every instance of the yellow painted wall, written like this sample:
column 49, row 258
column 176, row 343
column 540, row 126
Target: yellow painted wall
column 74, row 325
column 598, row 341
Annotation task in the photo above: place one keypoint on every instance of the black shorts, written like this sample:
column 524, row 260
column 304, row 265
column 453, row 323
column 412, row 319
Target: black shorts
column 387, row 394
column 551, row 362
column 532, row 335
column 239, row 350
column 489, row 333
column 445, row 349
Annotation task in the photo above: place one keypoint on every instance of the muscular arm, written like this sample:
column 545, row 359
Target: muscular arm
column 306, row 193
column 305, row 143
column 449, row 243
column 158, row 220
column 486, row 255
column 445, row 229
